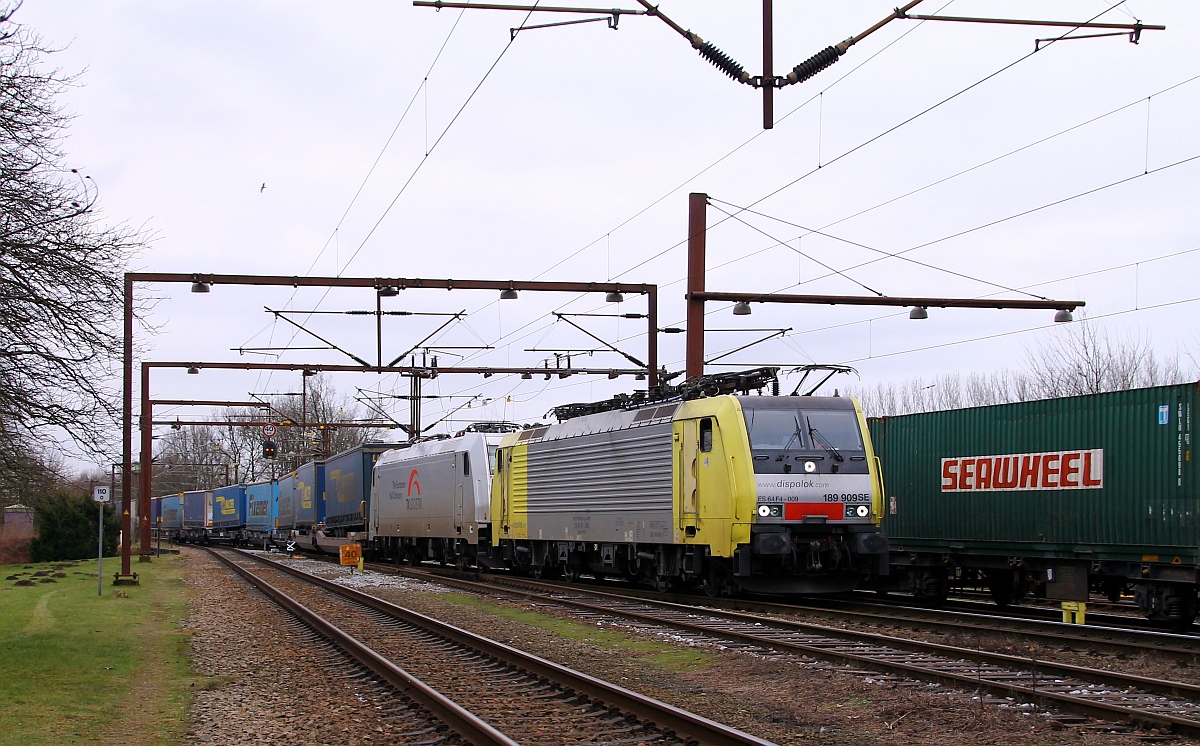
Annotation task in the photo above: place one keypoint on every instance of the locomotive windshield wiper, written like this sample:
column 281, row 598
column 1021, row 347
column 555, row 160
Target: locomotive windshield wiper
column 822, row 440
column 789, row 442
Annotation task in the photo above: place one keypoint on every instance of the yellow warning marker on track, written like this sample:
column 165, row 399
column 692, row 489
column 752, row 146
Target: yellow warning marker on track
column 1074, row 612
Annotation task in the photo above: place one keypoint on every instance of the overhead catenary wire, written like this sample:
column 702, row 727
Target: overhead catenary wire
column 867, row 142
column 727, row 155
column 508, row 336
column 1066, row 278
column 779, row 242
column 522, row 328
column 998, row 335
column 819, row 232
column 956, row 234
column 424, row 159
column 333, row 236
column 681, row 185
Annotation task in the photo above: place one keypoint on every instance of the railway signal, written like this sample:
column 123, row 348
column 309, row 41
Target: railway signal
column 268, row 449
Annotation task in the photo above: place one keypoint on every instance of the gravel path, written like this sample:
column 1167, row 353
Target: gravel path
column 786, row 699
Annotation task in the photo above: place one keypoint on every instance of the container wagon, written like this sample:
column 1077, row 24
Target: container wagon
column 197, row 514
column 155, row 515
column 285, row 510
column 262, row 500
column 348, row 487
column 1061, row 496
column 170, row 525
column 308, row 494
column 346, row 492
column 228, row 515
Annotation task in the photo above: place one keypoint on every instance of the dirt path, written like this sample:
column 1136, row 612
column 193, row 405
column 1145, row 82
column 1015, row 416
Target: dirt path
column 151, row 713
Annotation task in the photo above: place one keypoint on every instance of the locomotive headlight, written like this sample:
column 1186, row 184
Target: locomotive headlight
column 810, row 466
column 764, row 510
column 862, row 511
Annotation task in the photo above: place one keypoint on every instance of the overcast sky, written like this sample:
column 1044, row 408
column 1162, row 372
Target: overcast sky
column 406, row 142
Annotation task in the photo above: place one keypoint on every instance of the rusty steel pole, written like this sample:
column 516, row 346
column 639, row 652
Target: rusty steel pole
column 652, row 333
column 147, row 460
column 127, row 427
column 768, row 77
column 697, row 208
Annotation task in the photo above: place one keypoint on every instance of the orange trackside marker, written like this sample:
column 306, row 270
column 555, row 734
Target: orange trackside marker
column 351, row 554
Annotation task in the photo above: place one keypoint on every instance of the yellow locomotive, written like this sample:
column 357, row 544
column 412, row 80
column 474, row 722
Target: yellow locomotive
column 770, row 494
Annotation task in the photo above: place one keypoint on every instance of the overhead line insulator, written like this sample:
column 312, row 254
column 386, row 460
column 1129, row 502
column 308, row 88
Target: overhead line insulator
column 817, row 62
column 722, row 61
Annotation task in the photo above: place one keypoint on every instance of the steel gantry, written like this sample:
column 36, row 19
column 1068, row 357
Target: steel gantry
column 383, row 287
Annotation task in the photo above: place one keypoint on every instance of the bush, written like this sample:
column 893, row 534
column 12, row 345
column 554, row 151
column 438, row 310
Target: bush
column 66, row 528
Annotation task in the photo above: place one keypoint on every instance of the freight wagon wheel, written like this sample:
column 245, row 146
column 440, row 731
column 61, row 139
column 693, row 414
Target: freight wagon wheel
column 1113, row 589
column 1002, row 586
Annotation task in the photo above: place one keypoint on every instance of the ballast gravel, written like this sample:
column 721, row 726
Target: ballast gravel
column 265, row 684
column 782, row 698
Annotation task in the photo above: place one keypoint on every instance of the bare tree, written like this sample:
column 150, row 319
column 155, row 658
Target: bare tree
column 1081, row 359
column 207, row 456
column 61, row 275
column 323, row 407
column 1087, row 360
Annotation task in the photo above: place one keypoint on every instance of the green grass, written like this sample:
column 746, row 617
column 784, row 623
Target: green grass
column 78, row 668
column 658, row 654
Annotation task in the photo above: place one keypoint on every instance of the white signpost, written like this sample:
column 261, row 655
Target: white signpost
column 100, row 495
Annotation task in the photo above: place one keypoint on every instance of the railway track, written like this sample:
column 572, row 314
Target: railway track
column 981, row 618
column 1132, row 620
column 488, row 693
column 1115, row 635
column 1106, row 695
column 991, row 619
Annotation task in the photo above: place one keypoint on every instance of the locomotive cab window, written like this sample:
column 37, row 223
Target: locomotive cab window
column 466, row 465
column 706, row 435
column 834, row 430
column 773, row 429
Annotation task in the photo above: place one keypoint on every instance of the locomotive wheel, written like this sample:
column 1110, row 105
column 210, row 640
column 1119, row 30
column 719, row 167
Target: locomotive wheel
column 714, row 583
column 571, row 574
column 711, row 586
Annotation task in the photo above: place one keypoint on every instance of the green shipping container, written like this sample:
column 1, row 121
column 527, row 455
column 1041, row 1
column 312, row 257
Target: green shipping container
column 1104, row 482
